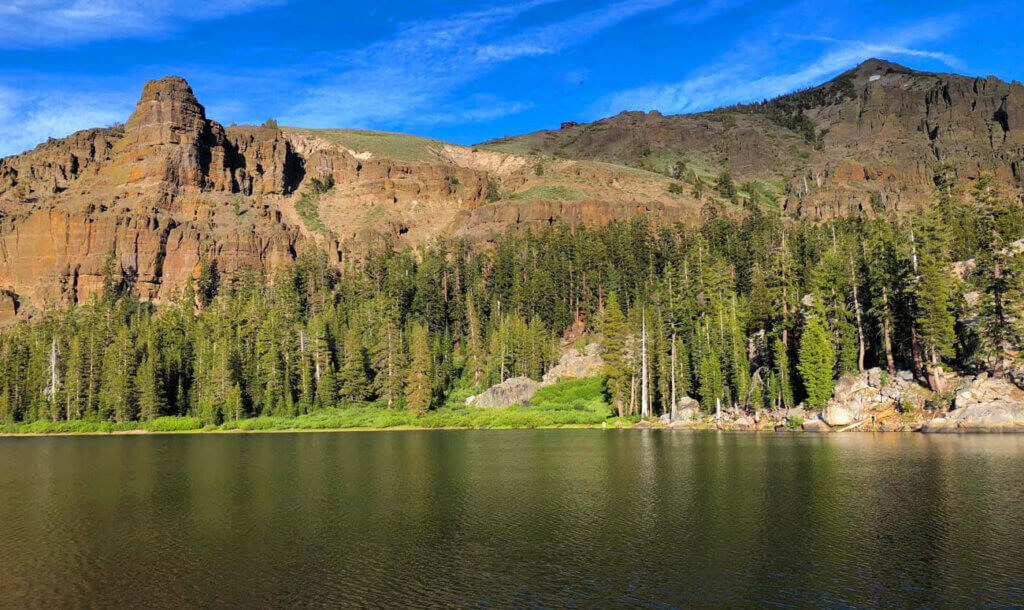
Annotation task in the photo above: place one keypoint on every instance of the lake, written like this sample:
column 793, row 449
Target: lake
column 512, row 518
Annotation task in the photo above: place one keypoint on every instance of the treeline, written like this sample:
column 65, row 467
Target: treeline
column 757, row 310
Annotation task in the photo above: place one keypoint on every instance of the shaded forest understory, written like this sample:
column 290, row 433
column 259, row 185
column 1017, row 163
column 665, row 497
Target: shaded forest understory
column 756, row 310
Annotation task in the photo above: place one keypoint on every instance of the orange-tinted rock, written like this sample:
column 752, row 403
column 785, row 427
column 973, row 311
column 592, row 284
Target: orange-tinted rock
column 55, row 257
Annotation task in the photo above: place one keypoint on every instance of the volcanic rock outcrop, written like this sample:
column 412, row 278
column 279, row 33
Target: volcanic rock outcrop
column 141, row 193
column 171, row 188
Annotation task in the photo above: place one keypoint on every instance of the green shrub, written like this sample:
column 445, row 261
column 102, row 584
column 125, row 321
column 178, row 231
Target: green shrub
column 308, row 208
column 173, row 424
column 493, row 193
column 574, row 395
column 321, row 185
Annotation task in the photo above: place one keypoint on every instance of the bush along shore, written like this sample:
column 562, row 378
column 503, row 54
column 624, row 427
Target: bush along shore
column 569, row 403
column 869, row 402
column 865, row 320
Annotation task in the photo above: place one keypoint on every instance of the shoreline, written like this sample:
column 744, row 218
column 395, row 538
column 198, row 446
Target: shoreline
column 635, row 426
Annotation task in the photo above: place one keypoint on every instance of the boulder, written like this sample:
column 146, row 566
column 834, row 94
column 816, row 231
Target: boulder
column 687, row 409
column 984, row 389
column 743, row 422
column 816, row 424
column 889, row 393
column 575, row 364
column 856, row 397
column 874, row 377
column 940, row 424
column 853, row 387
column 842, row 413
column 514, row 391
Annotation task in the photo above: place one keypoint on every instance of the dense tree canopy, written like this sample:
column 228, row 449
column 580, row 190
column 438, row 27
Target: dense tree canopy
column 755, row 309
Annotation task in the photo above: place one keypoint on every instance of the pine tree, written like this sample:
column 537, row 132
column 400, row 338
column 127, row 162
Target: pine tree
column 613, row 330
column 816, row 361
column 355, row 386
column 234, row 405
column 388, row 356
column 117, row 397
column 75, row 383
column 475, row 356
column 739, row 364
column 419, row 393
column 324, row 375
column 934, row 319
column 848, row 351
column 148, row 384
column 712, row 381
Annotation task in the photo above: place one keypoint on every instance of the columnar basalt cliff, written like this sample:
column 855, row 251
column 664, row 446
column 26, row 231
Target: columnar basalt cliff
column 171, row 188
column 142, row 193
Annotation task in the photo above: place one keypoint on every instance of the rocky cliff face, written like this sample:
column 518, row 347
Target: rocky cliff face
column 171, row 187
column 153, row 193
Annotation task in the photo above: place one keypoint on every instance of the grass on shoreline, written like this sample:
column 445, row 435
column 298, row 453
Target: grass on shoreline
column 570, row 403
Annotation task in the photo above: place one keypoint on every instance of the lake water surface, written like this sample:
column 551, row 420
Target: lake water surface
column 550, row 518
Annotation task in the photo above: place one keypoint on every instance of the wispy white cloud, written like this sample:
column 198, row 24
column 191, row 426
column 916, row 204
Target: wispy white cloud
column 705, row 11
column 30, row 119
column 750, row 71
column 476, row 108
column 417, row 77
column 554, row 37
column 426, row 62
column 42, row 23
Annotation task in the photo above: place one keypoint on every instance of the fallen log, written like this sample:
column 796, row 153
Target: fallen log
column 854, row 425
column 885, row 414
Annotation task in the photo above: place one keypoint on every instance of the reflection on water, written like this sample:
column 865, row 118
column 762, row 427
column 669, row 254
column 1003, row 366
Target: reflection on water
column 549, row 517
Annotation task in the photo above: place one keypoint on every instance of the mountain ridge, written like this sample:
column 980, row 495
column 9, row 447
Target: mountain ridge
column 846, row 123
column 171, row 188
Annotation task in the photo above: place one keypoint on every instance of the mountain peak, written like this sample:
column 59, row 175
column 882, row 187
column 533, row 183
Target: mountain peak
column 878, row 66
column 167, row 113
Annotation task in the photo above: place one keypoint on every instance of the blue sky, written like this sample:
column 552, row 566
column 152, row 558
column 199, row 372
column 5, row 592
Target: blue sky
column 463, row 71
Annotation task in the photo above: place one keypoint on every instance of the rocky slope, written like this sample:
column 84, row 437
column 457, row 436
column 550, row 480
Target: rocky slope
column 868, row 139
column 171, row 187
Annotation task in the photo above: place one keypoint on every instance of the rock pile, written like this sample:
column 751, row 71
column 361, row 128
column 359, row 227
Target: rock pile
column 983, row 403
column 858, row 396
column 575, row 364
